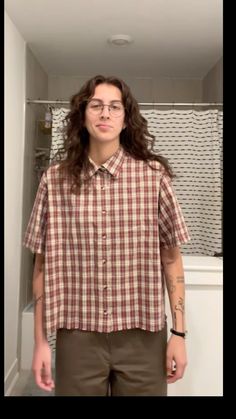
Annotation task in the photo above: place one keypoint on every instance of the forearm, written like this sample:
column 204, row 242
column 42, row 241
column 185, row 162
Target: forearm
column 38, row 297
column 174, row 277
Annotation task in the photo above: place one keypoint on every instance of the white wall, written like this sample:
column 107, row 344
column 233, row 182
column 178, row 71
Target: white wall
column 15, row 48
column 36, row 86
column 145, row 89
column 212, row 83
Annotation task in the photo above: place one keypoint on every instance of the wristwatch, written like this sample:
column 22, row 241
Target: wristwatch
column 182, row 334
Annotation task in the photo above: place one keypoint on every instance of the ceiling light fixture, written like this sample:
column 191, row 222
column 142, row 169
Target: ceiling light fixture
column 120, row 40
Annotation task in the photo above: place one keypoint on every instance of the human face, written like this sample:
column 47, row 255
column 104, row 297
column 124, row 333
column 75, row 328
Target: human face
column 104, row 127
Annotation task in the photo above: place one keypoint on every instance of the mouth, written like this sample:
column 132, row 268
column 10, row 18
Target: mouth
column 103, row 126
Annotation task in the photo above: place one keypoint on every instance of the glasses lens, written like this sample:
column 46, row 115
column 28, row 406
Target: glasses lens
column 96, row 108
column 116, row 109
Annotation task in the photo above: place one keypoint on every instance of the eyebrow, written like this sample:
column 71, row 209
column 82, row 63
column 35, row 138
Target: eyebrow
column 111, row 101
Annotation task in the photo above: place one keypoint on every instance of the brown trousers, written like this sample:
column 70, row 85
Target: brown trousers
column 124, row 363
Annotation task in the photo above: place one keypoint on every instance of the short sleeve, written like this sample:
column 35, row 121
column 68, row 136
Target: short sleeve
column 35, row 234
column 172, row 228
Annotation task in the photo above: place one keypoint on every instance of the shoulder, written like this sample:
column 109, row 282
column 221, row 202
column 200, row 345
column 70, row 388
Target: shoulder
column 156, row 168
column 52, row 171
column 160, row 173
column 156, row 165
column 150, row 168
column 50, row 177
column 152, row 164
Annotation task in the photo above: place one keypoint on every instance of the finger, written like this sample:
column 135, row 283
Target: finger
column 176, row 375
column 171, row 379
column 168, row 366
column 180, row 367
column 40, row 382
column 47, row 373
column 37, row 376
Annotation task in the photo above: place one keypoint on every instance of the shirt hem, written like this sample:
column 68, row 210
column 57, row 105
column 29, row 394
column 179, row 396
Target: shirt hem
column 109, row 329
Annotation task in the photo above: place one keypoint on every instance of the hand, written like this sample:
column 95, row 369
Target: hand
column 41, row 366
column 176, row 358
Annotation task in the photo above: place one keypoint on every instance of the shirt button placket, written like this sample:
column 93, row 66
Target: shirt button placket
column 104, row 261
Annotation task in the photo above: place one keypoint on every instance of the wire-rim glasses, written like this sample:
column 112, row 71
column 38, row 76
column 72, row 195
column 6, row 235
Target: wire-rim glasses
column 115, row 108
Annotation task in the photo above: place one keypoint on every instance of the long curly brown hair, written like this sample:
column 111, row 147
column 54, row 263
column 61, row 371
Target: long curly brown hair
column 135, row 138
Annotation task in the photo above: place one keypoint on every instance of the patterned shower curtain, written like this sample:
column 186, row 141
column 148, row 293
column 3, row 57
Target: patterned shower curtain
column 192, row 141
column 58, row 124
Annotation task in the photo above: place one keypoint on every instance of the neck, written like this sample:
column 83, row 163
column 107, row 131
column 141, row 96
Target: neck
column 100, row 153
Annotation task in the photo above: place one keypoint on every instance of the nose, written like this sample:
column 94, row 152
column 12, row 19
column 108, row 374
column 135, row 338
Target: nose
column 105, row 112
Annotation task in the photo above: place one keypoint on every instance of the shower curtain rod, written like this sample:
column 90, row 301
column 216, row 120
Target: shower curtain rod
column 67, row 102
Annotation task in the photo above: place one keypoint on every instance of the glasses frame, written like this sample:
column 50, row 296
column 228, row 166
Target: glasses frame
column 103, row 105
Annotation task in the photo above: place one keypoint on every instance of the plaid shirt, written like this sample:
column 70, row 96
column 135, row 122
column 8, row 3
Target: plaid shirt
column 102, row 247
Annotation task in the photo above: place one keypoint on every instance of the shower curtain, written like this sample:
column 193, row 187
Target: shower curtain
column 58, row 124
column 192, row 141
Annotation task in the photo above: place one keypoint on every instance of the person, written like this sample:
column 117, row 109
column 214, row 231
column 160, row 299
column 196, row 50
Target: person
column 106, row 228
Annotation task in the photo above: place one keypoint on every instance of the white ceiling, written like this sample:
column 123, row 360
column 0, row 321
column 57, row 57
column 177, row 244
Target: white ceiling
column 172, row 38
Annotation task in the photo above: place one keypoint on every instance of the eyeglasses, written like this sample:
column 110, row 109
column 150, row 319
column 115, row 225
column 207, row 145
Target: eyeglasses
column 96, row 108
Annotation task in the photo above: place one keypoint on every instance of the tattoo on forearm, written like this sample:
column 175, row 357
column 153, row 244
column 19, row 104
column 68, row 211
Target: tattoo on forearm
column 172, row 287
column 180, row 305
column 38, row 299
column 170, row 282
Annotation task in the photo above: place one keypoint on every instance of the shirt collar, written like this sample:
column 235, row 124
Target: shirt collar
column 112, row 165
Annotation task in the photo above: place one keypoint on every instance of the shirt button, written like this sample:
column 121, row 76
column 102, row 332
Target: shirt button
column 103, row 187
column 103, row 211
column 105, row 312
column 104, row 236
column 104, row 261
column 105, row 287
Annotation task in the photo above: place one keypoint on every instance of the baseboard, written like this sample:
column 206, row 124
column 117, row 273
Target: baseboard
column 11, row 377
